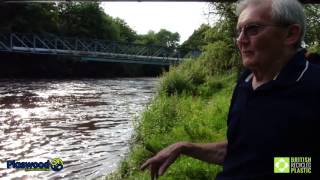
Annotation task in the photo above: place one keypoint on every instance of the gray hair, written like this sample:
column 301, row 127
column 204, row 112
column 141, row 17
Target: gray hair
column 283, row 12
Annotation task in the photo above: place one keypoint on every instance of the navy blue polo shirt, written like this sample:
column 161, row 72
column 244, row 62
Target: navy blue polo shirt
column 278, row 119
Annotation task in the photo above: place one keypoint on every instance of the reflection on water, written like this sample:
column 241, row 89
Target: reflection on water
column 87, row 123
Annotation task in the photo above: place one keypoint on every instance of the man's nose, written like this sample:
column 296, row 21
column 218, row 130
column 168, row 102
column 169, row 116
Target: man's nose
column 242, row 38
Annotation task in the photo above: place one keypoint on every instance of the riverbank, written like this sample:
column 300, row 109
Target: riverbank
column 191, row 104
column 15, row 65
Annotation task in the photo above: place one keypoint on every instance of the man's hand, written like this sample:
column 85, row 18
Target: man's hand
column 211, row 153
column 159, row 163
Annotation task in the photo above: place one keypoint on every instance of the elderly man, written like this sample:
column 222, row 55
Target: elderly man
column 274, row 105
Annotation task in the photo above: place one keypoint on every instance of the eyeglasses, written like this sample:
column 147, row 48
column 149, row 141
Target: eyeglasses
column 252, row 29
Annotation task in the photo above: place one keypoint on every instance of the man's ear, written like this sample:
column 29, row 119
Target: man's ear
column 293, row 34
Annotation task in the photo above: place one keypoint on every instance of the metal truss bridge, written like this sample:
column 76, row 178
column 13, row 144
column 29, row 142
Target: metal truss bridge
column 91, row 49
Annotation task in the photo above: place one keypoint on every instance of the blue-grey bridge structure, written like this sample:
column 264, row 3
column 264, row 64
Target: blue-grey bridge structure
column 91, row 49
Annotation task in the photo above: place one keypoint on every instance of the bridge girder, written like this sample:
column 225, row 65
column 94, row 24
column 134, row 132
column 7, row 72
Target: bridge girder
column 92, row 49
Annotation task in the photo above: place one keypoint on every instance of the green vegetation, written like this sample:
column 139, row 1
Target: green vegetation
column 191, row 105
column 313, row 27
column 188, row 107
column 162, row 38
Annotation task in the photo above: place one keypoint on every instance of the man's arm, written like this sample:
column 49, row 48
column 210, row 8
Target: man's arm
column 211, row 152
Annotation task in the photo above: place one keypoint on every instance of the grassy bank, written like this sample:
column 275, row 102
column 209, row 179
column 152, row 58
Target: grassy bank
column 191, row 104
column 192, row 101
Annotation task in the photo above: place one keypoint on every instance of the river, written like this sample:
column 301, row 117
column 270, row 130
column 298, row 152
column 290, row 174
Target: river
column 86, row 123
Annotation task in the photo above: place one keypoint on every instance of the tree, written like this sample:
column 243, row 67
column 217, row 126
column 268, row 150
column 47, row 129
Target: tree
column 126, row 33
column 224, row 28
column 221, row 30
column 198, row 38
column 147, row 39
column 87, row 20
column 312, row 37
column 167, row 38
column 31, row 17
column 162, row 38
column 219, row 50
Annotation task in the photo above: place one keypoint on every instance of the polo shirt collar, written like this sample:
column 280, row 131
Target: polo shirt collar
column 290, row 74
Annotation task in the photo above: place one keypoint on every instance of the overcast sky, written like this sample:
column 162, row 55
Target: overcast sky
column 181, row 17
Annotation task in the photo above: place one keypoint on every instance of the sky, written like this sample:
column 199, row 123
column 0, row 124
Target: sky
column 181, row 17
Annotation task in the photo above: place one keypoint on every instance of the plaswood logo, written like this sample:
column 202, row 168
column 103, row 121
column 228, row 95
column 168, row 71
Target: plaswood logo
column 56, row 164
column 301, row 165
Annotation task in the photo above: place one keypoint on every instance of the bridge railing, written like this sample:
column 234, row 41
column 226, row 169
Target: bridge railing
column 51, row 44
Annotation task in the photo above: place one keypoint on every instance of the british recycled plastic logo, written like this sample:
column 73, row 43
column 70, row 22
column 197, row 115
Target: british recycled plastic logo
column 281, row 165
column 56, row 164
column 295, row 165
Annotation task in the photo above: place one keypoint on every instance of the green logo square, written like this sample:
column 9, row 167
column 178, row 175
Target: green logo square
column 281, row 165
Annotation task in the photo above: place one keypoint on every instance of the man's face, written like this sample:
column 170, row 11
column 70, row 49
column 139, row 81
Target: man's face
column 260, row 41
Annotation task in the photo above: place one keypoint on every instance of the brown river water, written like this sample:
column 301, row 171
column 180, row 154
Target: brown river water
column 87, row 123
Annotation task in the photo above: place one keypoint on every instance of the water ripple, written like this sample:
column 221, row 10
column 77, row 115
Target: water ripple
column 87, row 123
